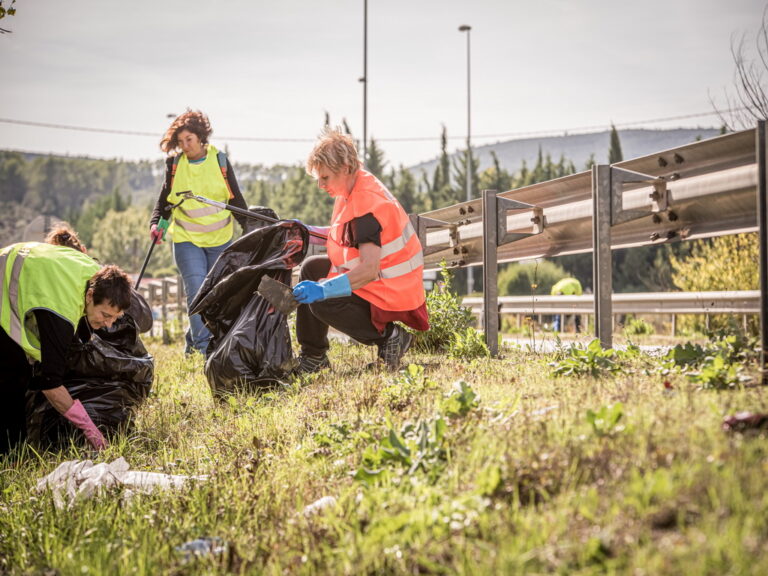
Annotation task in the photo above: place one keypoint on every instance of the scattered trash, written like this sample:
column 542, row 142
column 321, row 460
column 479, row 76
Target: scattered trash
column 81, row 479
column 202, row 547
column 742, row 421
column 319, row 505
column 669, row 390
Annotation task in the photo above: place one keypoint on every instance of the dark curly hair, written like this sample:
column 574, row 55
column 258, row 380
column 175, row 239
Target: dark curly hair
column 192, row 120
column 111, row 284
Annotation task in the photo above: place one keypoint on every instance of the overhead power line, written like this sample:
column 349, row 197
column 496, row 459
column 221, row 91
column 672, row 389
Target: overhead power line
column 582, row 129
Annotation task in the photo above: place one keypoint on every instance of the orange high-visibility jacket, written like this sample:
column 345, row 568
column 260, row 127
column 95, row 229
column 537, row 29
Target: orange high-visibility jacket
column 399, row 286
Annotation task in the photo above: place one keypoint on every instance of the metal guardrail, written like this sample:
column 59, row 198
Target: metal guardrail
column 708, row 188
column 707, row 303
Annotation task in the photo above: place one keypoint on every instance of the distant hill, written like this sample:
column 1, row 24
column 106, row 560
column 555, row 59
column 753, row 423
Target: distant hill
column 579, row 147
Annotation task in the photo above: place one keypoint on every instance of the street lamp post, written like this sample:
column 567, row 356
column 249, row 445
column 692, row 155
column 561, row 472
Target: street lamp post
column 466, row 28
column 364, row 80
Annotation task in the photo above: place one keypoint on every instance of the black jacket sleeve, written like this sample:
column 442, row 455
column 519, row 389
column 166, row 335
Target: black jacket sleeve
column 56, row 334
column 162, row 208
column 237, row 199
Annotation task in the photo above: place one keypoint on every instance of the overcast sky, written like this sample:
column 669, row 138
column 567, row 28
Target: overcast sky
column 269, row 70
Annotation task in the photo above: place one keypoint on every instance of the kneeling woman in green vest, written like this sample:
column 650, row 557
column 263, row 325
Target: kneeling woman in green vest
column 200, row 232
column 46, row 290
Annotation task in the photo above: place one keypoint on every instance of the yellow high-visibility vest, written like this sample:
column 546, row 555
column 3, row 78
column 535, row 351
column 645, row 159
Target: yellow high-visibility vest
column 37, row 276
column 203, row 225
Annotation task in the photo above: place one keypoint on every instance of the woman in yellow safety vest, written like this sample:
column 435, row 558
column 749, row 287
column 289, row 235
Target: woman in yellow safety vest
column 44, row 292
column 200, row 231
column 373, row 274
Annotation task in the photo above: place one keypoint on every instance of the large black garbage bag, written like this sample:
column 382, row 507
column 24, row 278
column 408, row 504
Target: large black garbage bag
column 250, row 348
column 111, row 375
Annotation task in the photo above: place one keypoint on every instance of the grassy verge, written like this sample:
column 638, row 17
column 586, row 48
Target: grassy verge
column 487, row 467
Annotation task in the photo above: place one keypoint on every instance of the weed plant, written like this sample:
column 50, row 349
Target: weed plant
column 488, row 467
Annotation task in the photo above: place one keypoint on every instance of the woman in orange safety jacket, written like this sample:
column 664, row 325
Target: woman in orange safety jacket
column 372, row 275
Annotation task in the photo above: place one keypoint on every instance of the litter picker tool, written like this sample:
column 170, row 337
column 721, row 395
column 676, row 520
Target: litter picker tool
column 278, row 294
column 161, row 225
column 188, row 195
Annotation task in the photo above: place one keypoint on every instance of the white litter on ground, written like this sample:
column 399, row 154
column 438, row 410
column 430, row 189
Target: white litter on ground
column 319, row 505
column 81, row 479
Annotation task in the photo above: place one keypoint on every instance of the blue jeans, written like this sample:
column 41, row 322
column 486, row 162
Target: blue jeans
column 194, row 263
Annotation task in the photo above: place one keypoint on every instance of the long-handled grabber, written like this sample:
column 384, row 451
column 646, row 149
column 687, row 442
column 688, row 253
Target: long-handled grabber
column 161, row 225
column 235, row 210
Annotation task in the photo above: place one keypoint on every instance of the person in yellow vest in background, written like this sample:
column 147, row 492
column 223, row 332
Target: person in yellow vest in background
column 200, row 232
column 46, row 290
column 566, row 287
column 372, row 276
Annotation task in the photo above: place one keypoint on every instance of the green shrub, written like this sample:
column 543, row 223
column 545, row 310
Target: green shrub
column 468, row 345
column 522, row 279
column 591, row 360
column 446, row 316
column 638, row 327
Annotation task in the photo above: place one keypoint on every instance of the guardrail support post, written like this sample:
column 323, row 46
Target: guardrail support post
column 761, row 148
column 491, row 271
column 602, row 266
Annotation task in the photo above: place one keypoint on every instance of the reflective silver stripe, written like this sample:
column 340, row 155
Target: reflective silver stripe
column 389, row 248
column 193, row 227
column 200, row 212
column 392, row 271
column 404, row 267
column 13, row 294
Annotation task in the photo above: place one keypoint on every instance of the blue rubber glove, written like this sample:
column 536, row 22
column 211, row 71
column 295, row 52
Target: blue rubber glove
column 309, row 291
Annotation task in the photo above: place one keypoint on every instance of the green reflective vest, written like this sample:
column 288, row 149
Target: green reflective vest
column 37, row 276
column 567, row 287
column 203, row 225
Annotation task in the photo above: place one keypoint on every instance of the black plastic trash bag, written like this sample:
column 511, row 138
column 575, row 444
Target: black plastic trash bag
column 111, row 375
column 250, row 348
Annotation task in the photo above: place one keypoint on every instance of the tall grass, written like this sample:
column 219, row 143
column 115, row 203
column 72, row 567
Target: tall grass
column 515, row 471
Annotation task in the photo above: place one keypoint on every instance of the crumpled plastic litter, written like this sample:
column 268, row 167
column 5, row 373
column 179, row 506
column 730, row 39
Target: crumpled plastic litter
column 319, row 505
column 201, row 547
column 743, row 421
column 75, row 480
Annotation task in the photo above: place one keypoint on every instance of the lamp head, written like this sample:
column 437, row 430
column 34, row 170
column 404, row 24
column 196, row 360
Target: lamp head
column 465, row 28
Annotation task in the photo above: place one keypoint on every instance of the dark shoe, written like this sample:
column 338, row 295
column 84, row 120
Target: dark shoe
column 310, row 364
column 392, row 351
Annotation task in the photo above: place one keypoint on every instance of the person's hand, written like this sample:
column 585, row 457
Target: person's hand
column 79, row 417
column 156, row 234
column 308, row 291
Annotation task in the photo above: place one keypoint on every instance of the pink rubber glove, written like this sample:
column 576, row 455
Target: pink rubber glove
column 156, row 234
column 79, row 417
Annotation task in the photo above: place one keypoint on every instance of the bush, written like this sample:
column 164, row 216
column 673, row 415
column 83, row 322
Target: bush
column 446, row 317
column 522, row 279
column 638, row 327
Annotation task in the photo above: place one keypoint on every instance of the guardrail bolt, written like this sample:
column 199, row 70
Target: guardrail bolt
column 656, row 218
column 536, row 220
column 456, row 250
column 679, row 159
column 654, row 236
column 673, row 177
column 671, row 234
column 672, row 216
column 462, row 211
column 662, row 162
column 464, row 250
column 470, row 209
